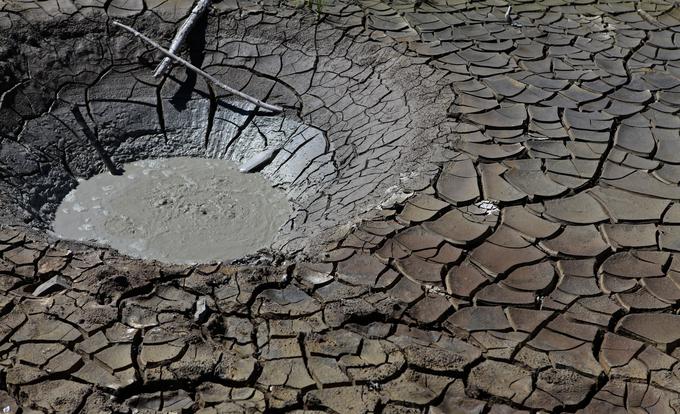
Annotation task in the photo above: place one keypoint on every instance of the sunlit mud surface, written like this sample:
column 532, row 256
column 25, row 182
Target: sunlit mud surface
column 486, row 208
column 177, row 210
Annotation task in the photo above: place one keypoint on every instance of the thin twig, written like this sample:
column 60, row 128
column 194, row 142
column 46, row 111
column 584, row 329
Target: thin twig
column 182, row 33
column 211, row 78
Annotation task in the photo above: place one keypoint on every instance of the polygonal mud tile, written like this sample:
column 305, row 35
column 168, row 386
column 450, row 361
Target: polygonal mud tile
column 290, row 372
column 503, row 251
column 506, row 116
column 621, row 235
column 230, row 399
column 116, row 357
column 420, row 208
column 528, row 177
column 326, row 371
column 478, row 318
column 234, row 366
column 455, row 400
column 457, row 183
column 532, row 277
column 640, row 299
column 636, row 264
column 661, row 329
column 617, row 351
column 501, row 380
column 344, row 400
column 362, row 269
column 641, row 182
column 500, row 345
column 527, row 320
column 522, row 220
column 414, row 387
column 430, row 308
column 457, row 227
column 664, row 288
column 577, row 241
column 501, row 295
column 406, row 290
column 419, row 269
column 95, row 373
column 58, row 396
column 288, row 301
column 495, row 187
column 417, row 238
column 436, row 350
column 41, row 328
column 464, row 279
column 578, row 209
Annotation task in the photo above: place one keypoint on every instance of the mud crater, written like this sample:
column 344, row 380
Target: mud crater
column 128, row 117
column 336, row 162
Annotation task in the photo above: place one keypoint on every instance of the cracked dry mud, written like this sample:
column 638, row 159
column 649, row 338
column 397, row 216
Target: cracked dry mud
column 487, row 213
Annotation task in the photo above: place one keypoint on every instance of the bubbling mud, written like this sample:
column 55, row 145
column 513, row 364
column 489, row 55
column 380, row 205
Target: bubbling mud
column 175, row 210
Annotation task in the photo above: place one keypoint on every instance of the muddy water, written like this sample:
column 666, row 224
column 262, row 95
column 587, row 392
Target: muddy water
column 176, row 210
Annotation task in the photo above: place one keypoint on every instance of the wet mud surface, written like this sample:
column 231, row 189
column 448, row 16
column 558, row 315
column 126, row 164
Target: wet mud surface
column 175, row 210
column 485, row 213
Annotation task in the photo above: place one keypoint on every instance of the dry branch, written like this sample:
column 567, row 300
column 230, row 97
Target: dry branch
column 198, row 10
column 188, row 65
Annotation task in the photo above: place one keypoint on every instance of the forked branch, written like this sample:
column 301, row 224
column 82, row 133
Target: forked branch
column 198, row 11
column 188, row 65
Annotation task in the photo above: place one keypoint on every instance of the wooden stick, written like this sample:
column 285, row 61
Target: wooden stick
column 198, row 10
column 199, row 71
column 650, row 19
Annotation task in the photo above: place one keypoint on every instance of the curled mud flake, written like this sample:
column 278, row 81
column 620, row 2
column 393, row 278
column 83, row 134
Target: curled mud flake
column 258, row 160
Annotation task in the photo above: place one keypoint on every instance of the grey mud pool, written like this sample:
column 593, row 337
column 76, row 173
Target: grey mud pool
column 175, row 210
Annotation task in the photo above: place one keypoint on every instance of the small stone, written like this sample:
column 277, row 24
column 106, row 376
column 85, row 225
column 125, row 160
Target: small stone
column 54, row 284
column 202, row 310
column 259, row 160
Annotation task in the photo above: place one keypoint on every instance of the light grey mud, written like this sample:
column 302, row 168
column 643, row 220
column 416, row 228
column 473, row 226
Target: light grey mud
column 177, row 210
